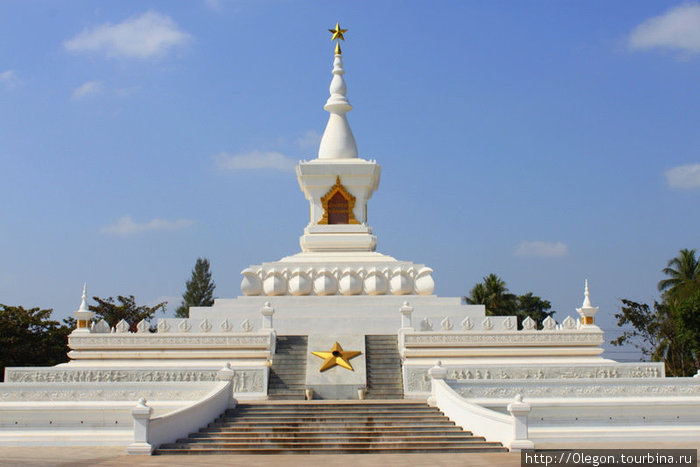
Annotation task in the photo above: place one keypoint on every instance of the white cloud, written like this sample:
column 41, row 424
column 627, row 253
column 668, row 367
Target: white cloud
column 128, row 91
column 542, row 249
column 309, row 139
column 127, row 226
column 684, row 176
column 678, row 28
column 89, row 88
column 9, row 79
column 216, row 5
column 254, row 160
column 219, row 5
column 146, row 36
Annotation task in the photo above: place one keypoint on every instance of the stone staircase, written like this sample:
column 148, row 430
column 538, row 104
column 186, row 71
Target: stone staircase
column 314, row 427
column 288, row 371
column 384, row 379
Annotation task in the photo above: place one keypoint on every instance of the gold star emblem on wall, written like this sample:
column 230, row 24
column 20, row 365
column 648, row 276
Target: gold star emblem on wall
column 337, row 356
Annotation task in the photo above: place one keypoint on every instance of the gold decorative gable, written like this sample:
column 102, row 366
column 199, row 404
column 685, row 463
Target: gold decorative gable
column 338, row 205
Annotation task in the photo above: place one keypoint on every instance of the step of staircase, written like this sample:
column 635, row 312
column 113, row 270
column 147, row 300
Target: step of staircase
column 287, row 379
column 330, row 428
column 384, row 379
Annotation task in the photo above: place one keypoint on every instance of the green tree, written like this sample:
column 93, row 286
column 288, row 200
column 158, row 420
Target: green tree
column 670, row 330
column 126, row 309
column 646, row 324
column 31, row 338
column 655, row 332
column 534, row 307
column 493, row 293
column 199, row 290
column 683, row 270
column 688, row 326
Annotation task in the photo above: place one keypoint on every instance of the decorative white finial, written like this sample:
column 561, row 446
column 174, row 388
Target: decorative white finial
column 83, row 315
column 587, row 310
column 83, row 302
column 338, row 141
column 587, row 297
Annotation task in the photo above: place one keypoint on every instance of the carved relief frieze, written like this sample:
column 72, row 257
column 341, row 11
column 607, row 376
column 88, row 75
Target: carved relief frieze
column 154, row 340
column 511, row 338
column 107, row 376
column 417, row 379
column 110, row 393
column 578, row 389
column 244, row 380
column 248, row 381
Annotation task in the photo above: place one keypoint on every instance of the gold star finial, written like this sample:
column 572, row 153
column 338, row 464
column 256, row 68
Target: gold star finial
column 337, row 36
column 338, row 33
column 337, row 356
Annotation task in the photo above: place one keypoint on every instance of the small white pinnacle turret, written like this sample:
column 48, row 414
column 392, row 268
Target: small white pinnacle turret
column 587, row 310
column 587, row 297
column 83, row 314
column 83, row 302
column 338, row 141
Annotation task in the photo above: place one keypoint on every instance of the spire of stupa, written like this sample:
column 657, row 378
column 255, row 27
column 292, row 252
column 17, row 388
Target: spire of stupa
column 338, row 141
column 83, row 302
column 587, row 310
column 587, row 297
column 83, row 315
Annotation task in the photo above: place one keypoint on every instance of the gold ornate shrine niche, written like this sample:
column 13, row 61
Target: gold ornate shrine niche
column 338, row 205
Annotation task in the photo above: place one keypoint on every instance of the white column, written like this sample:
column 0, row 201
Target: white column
column 406, row 317
column 142, row 416
column 226, row 373
column 519, row 410
column 267, row 311
column 438, row 372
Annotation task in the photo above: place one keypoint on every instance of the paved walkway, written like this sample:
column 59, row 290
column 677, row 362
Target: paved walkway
column 102, row 456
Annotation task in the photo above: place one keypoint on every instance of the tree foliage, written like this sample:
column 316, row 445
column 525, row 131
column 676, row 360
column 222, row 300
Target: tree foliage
column 683, row 269
column 125, row 309
column 199, row 290
column 493, row 293
column 31, row 338
column 688, row 328
column 646, row 324
column 534, row 307
column 670, row 330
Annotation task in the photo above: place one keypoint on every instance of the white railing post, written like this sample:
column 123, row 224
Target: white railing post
column 519, row 410
column 267, row 311
column 406, row 312
column 142, row 417
column 226, row 374
column 438, row 372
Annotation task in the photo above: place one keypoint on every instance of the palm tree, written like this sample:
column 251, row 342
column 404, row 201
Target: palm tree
column 682, row 270
column 494, row 294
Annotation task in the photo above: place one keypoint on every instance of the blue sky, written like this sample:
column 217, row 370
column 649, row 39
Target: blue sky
column 547, row 142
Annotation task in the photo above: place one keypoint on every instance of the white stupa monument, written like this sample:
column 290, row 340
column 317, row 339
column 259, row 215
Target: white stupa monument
column 340, row 321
